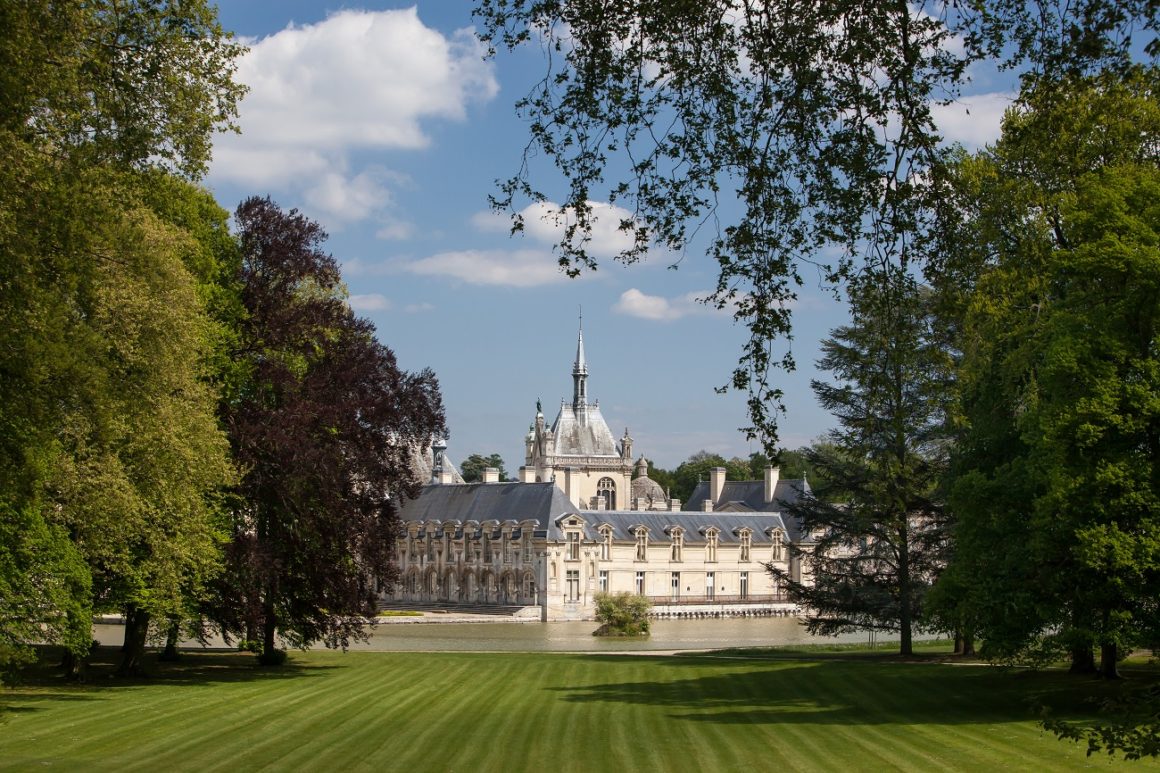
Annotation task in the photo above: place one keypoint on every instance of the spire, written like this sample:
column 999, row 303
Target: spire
column 580, row 372
column 581, row 366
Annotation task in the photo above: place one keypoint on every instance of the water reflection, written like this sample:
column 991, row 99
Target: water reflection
column 569, row 637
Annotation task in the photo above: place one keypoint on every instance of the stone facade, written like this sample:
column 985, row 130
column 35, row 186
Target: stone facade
column 576, row 524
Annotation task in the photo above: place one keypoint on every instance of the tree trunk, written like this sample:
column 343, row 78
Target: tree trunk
column 1083, row 660
column 1109, row 668
column 905, row 623
column 170, row 654
column 72, row 665
column 133, row 649
column 270, row 655
column 968, row 645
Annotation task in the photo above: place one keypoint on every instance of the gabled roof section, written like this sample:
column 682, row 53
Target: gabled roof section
column 540, row 502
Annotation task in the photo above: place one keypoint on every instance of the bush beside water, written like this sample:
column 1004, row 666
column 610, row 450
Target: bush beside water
column 622, row 614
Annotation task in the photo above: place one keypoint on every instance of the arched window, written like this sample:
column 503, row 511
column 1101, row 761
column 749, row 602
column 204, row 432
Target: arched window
column 606, row 487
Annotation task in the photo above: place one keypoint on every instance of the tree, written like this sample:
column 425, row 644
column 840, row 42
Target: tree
column 875, row 553
column 473, row 466
column 1059, row 275
column 622, row 614
column 796, row 464
column 800, row 131
column 131, row 83
column 324, row 428
column 108, row 431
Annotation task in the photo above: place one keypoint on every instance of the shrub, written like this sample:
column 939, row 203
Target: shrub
column 622, row 614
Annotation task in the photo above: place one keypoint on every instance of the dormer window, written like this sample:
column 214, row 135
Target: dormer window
column 605, row 543
column 778, row 551
column 677, row 549
column 711, row 545
column 641, row 534
column 746, row 544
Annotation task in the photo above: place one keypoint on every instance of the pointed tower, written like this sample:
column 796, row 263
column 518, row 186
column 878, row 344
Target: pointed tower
column 580, row 378
column 579, row 451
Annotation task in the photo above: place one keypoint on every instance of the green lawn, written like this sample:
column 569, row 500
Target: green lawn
column 734, row 711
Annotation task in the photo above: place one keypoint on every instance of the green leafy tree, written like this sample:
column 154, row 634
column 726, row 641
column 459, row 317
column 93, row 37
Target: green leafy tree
column 473, row 466
column 1059, row 275
column 105, row 435
column 815, row 119
column 622, row 614
column 130, row 83
column 876, row 552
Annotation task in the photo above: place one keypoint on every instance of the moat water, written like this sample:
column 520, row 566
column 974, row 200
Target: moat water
column 571, row 636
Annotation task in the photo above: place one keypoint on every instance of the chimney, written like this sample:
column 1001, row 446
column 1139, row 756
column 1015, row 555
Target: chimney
column 707, row 505
column 445, row 478
column 527, row 474
column 771, row 476
column 716, row 483
column 491, row 475
column 675, row 505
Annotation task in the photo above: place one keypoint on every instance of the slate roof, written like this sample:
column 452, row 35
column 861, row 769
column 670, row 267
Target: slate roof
column 660, row 525
column 582, row 435
column 740, row 495
column 480, row 502
column 473, row 504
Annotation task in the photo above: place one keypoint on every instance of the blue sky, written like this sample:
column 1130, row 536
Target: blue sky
column 383, row 122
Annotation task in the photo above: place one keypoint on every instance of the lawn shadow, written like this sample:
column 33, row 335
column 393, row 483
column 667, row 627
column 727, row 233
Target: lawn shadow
column 196, row 668
column 845, row 690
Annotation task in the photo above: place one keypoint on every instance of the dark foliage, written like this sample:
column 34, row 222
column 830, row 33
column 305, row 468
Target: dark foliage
column 324, row 430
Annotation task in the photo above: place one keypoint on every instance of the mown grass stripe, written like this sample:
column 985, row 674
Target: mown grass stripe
column 511, row 711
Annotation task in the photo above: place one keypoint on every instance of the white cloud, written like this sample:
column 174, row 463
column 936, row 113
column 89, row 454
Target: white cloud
column 634, row 303
column 519, row 268
column 544, row 222
column 418, row 308
column 972, row 120
column 359, row 80
column 371, row 302
column 395, row 230
column 348, row 199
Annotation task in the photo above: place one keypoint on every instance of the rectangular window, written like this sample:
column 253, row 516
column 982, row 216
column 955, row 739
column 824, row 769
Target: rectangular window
column 710, row 584
column 573, row 549
column 604, row 581
column 640, row 583
column 745, row 585
column 746, row 541
column 641, row 545
column 675, row 586
column 572, row 585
